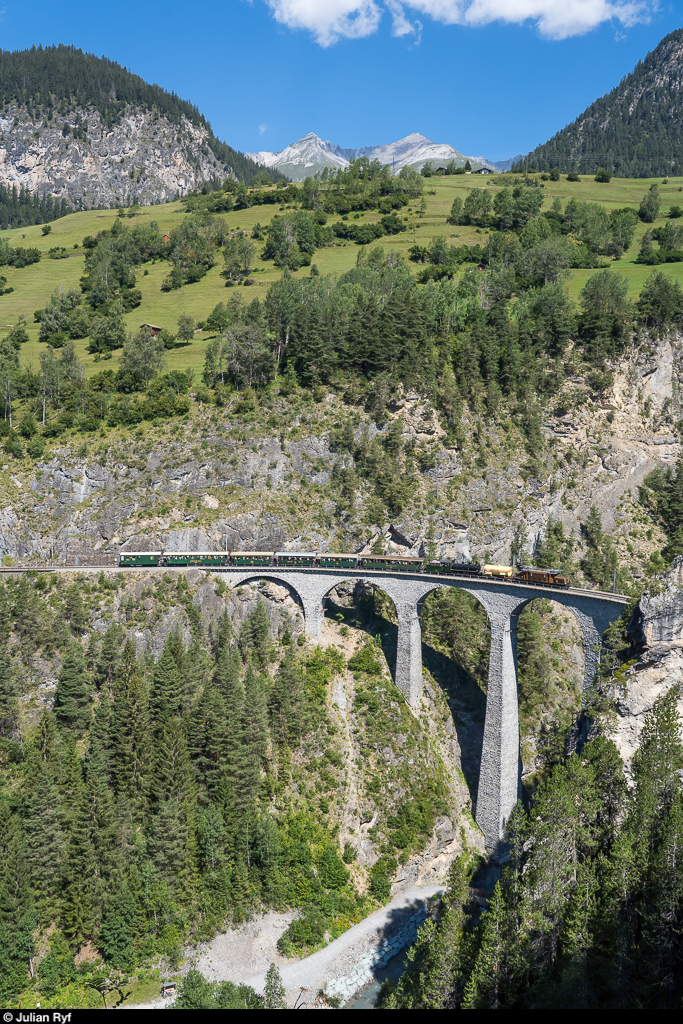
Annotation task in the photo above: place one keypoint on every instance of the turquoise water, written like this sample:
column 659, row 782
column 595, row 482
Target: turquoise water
column 367, row 997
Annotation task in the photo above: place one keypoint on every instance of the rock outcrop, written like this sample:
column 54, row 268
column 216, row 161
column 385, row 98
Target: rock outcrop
column 656, row 631
column 144, row 158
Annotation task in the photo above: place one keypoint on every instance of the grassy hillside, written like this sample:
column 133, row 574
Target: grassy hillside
column 34, row 284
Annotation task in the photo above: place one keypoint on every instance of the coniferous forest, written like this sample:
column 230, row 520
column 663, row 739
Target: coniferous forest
column 634, row 131
column 152, row 802
column 588, row 911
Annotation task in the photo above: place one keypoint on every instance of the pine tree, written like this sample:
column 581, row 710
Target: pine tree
column 240, row 893
column 274, row 991
column 207, row 732
column 211, row 837
column 80, row 876
column 196, row 670
column 225, row 800
column 131, row 730
column 74, row 610
column 98, row 815
column 234, row 710
column 109, row 657
column 166, row 696
column 45, row 843
column 172, row 777
column 168, row 842
column 287, row 704
column 255, row 634
column 118, row 929
column 45, row 748
column 608, row 768
column 72, row 695
column 228, row 669
column 9, row 694
column 98, row 757
column 658, row 757
column 255, row 717
column 70, row 778
column 224, row 637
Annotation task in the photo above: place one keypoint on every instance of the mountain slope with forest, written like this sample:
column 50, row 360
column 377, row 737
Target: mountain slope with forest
column 636, row 130
column 83, row 128
column 438, row 365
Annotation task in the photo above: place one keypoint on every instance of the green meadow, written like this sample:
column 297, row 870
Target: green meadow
column 34, row 285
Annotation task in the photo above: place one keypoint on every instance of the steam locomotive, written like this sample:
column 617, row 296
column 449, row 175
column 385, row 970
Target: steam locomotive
column 325, row 560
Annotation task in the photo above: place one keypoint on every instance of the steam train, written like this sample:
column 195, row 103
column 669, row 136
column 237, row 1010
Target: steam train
column 325, row 560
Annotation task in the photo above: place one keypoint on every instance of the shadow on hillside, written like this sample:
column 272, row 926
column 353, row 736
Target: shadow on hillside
column 398, row 920
column 467, row 704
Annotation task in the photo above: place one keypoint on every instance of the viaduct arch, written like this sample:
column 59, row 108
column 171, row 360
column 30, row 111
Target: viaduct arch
column 499, row 777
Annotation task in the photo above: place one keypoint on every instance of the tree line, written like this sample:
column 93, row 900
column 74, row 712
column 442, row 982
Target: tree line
column 19, row 207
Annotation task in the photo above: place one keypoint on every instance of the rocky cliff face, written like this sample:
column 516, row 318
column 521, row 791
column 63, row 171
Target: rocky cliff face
column 143, row 159
column 228, row 478
column 656, row 631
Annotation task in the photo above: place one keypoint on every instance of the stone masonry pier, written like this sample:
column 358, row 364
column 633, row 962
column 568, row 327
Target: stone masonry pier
column 499, row 777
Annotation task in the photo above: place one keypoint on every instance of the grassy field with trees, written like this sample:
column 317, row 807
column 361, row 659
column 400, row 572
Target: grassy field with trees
column 34, row 285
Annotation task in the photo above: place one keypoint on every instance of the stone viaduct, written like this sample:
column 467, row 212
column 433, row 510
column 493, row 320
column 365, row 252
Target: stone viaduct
column 499, row 777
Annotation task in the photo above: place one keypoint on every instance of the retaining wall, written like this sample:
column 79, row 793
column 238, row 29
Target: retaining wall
column 377, row 957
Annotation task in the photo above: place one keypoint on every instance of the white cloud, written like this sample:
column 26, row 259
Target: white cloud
column 400, row 24
column 330, row 20
column 262, row 128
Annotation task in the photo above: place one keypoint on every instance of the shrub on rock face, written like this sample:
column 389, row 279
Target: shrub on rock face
column 364, row 660
column 380, row 878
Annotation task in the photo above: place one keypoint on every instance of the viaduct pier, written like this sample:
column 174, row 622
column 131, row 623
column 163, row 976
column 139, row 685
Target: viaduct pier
column 499, row 776
column 503, row 601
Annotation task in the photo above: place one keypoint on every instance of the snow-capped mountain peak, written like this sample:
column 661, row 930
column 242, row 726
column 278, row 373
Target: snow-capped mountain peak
column 310, row 154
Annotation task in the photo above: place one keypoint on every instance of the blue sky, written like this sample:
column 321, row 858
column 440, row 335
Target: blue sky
column 491, row 77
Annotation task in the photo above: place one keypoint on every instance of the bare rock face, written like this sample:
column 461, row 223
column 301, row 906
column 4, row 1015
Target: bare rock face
column 143, row 159
column 659, row 617
column 656, row 628
column 651, row 677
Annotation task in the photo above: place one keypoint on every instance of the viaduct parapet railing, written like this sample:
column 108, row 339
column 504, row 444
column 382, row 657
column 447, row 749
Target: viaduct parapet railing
column 503, row 601
column 499, row 775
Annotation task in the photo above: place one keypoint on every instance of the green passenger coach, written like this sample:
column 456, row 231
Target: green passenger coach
column 329, row 561
column 207, row 558
column 391, row 562
column 252, row 557
column 139, row 558
column 301, row 558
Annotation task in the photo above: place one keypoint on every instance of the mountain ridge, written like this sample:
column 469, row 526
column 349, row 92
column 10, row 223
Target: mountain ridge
column 635, row 130
column 83, row 128
column 310, row 154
